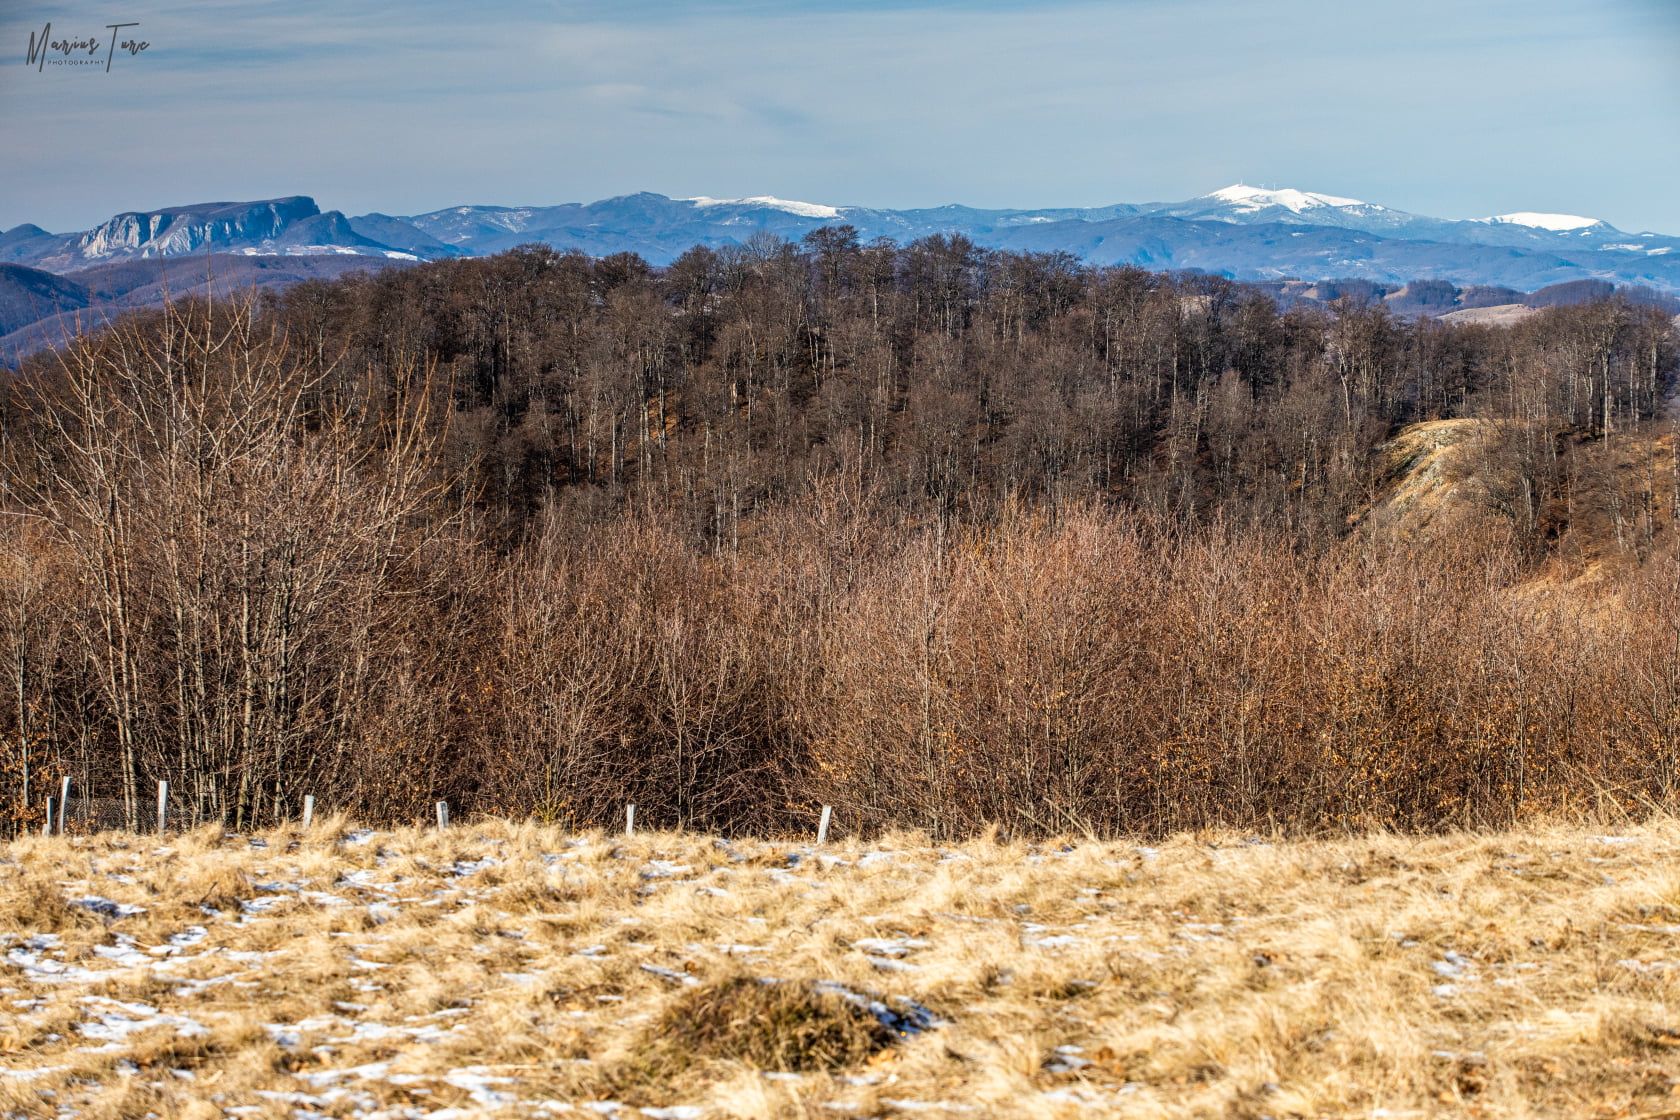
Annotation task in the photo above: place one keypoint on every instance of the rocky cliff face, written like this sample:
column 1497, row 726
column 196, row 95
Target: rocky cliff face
column 190, row 229
column 277, row 226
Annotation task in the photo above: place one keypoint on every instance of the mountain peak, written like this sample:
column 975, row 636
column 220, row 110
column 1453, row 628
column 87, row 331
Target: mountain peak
column 768, row 202
column 1557, row 223
column 1249, row 199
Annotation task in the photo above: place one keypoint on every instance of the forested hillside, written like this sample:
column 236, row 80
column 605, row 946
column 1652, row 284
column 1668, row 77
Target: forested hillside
column 938, row 535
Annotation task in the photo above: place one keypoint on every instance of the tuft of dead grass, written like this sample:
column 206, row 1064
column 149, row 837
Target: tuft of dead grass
column 40, row 905
column 785, row 1026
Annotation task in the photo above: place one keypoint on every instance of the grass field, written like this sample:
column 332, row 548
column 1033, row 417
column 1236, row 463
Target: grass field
column 503, row 968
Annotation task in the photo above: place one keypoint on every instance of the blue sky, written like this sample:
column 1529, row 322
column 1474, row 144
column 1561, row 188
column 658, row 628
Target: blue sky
column 1457, row 109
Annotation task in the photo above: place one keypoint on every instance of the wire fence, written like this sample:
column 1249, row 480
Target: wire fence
column 81, row 816
column 67, row 812
column 97, row 814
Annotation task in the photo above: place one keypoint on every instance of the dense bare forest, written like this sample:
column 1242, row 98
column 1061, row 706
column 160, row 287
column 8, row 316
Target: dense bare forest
column 940, row 536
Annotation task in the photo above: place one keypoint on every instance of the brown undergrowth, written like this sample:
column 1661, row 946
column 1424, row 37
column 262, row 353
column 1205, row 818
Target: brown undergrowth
column 502, row 968
column 1369, row 575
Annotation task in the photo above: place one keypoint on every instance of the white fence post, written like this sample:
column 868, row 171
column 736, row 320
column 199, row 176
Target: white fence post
column 308, row 809
column 822, row 828
column 63, row 802
column 630, row 820
column 163, row 806
column 443, row 814
column 46, row 829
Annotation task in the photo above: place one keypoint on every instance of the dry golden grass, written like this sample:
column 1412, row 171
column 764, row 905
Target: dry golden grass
column 505, row 968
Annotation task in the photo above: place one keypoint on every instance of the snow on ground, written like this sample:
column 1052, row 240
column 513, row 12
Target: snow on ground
column 497, row 969
column 270, row 250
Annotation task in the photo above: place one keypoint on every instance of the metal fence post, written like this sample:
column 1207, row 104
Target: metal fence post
column 822, row 828
column 163, row 806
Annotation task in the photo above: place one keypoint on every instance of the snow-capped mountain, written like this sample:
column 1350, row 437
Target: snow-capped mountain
column 292, row 226
column 1245, row 231
column 1249, row 232
column 768, row 202
column 1556, row 223
column 1256, row 204
column 1257, row 198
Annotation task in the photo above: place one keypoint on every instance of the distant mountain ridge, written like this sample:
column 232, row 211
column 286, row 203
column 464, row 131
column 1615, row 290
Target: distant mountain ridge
column 292, row 226
column 1249, row 233
column 41, row 309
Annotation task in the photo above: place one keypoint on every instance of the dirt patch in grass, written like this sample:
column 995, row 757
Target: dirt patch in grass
column 785, row 1026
